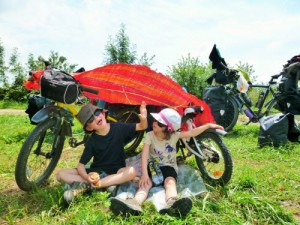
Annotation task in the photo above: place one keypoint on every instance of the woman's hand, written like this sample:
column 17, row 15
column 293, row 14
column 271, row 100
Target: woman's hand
column 216, row 126
column 145, row 181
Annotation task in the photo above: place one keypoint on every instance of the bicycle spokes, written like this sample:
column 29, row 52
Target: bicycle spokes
column 44, row 146
column 216, row 167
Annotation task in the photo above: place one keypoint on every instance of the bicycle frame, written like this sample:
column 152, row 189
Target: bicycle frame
column 268, row 89
column 184, row 142
column 211, row 153
column 241, row 103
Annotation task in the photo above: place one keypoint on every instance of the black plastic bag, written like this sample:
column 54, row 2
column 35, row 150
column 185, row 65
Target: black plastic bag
column 274, row 130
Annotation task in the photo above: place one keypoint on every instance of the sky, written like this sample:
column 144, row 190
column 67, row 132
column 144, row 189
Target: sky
column 262, row 33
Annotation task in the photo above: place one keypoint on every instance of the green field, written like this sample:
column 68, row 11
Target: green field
column 264, row 189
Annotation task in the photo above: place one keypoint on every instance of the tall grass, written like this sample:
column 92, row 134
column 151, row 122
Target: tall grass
column 263, row 190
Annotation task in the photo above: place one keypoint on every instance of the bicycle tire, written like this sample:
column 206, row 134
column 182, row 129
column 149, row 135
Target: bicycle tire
column 230, row 116
column 217, row 170
column 272, row 108
column 128, row 115
column 32, row 168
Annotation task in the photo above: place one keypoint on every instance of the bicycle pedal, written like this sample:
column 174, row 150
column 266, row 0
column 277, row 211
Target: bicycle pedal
column 180, row 159
column 73, row 142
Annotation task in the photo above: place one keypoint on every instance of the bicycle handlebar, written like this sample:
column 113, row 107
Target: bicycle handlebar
column 90, row 90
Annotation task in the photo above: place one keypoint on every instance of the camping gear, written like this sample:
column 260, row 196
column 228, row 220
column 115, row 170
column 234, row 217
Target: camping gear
column 215, row 97
column 276, row 130
column 59, row 86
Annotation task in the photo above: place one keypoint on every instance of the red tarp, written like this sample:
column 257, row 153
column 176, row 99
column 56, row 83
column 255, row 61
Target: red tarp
column 132, row 84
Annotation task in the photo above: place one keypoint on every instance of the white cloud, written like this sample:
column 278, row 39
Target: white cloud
column 262, row 33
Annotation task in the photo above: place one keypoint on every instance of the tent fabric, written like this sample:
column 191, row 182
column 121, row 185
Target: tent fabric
column 131, row 84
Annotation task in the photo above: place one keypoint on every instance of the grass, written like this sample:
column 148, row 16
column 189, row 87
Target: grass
column 12, row 105
column 263, row 190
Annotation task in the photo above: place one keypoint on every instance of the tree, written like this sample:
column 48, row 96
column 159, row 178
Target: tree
column 16, row 69
column 248, row 69
column 120, row 50
column 60, row 62
column 3, row 68
column 191, row 74
column 35, row 64
column 56, row 61
column 16, row 91
column 145, row 60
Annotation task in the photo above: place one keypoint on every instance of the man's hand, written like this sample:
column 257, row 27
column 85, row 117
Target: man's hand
column 94, row 179
column 143, row 124
column 143, row 110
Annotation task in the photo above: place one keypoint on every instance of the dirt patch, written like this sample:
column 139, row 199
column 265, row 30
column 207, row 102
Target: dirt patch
column 12, row 111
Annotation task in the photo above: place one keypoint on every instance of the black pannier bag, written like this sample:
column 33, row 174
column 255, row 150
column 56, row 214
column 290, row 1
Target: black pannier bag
column 292, row 104
column 289, row 100
column 59, row 86
column 294, row 129
column 215, row 97
column 36, row 103
column 275, row 130
column 289, row 103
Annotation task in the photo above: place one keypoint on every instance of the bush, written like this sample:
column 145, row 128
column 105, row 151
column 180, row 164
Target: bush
column 11, row 94
column 191, row 74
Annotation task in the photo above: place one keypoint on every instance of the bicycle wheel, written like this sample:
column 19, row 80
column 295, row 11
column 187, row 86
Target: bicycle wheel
column 39, row 155
column 130, row 116
column 297, row 120
column 217, row 168
column 273, row 108
column 230, row 116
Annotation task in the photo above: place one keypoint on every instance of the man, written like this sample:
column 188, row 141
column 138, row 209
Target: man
column 106, row 147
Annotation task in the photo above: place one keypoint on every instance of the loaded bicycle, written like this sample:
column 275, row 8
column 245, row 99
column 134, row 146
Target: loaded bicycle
column 229, row 97
column 42, row 149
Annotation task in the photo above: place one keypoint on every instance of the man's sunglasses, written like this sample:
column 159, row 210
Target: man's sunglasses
column 96, row 113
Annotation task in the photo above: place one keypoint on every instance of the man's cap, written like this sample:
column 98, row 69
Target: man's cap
column 86, row 112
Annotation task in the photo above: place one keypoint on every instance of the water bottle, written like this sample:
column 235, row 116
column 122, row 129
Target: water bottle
column 247, row 99
column 260, row 100
column 248, row 113
column 157, row 176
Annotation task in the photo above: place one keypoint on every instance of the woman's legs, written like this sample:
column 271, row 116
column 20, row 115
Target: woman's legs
column 170, row 187
column 142, row 193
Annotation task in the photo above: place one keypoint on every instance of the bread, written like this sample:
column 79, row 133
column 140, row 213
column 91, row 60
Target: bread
column 95, row 177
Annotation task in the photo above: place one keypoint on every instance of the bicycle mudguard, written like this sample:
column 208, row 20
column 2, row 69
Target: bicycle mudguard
column 216, row 131
column 45, row 113
column 53, row 111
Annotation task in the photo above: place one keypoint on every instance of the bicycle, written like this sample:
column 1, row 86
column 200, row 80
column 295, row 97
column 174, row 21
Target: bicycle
column 212, row 156
column 42, row 149
column 237, row 102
